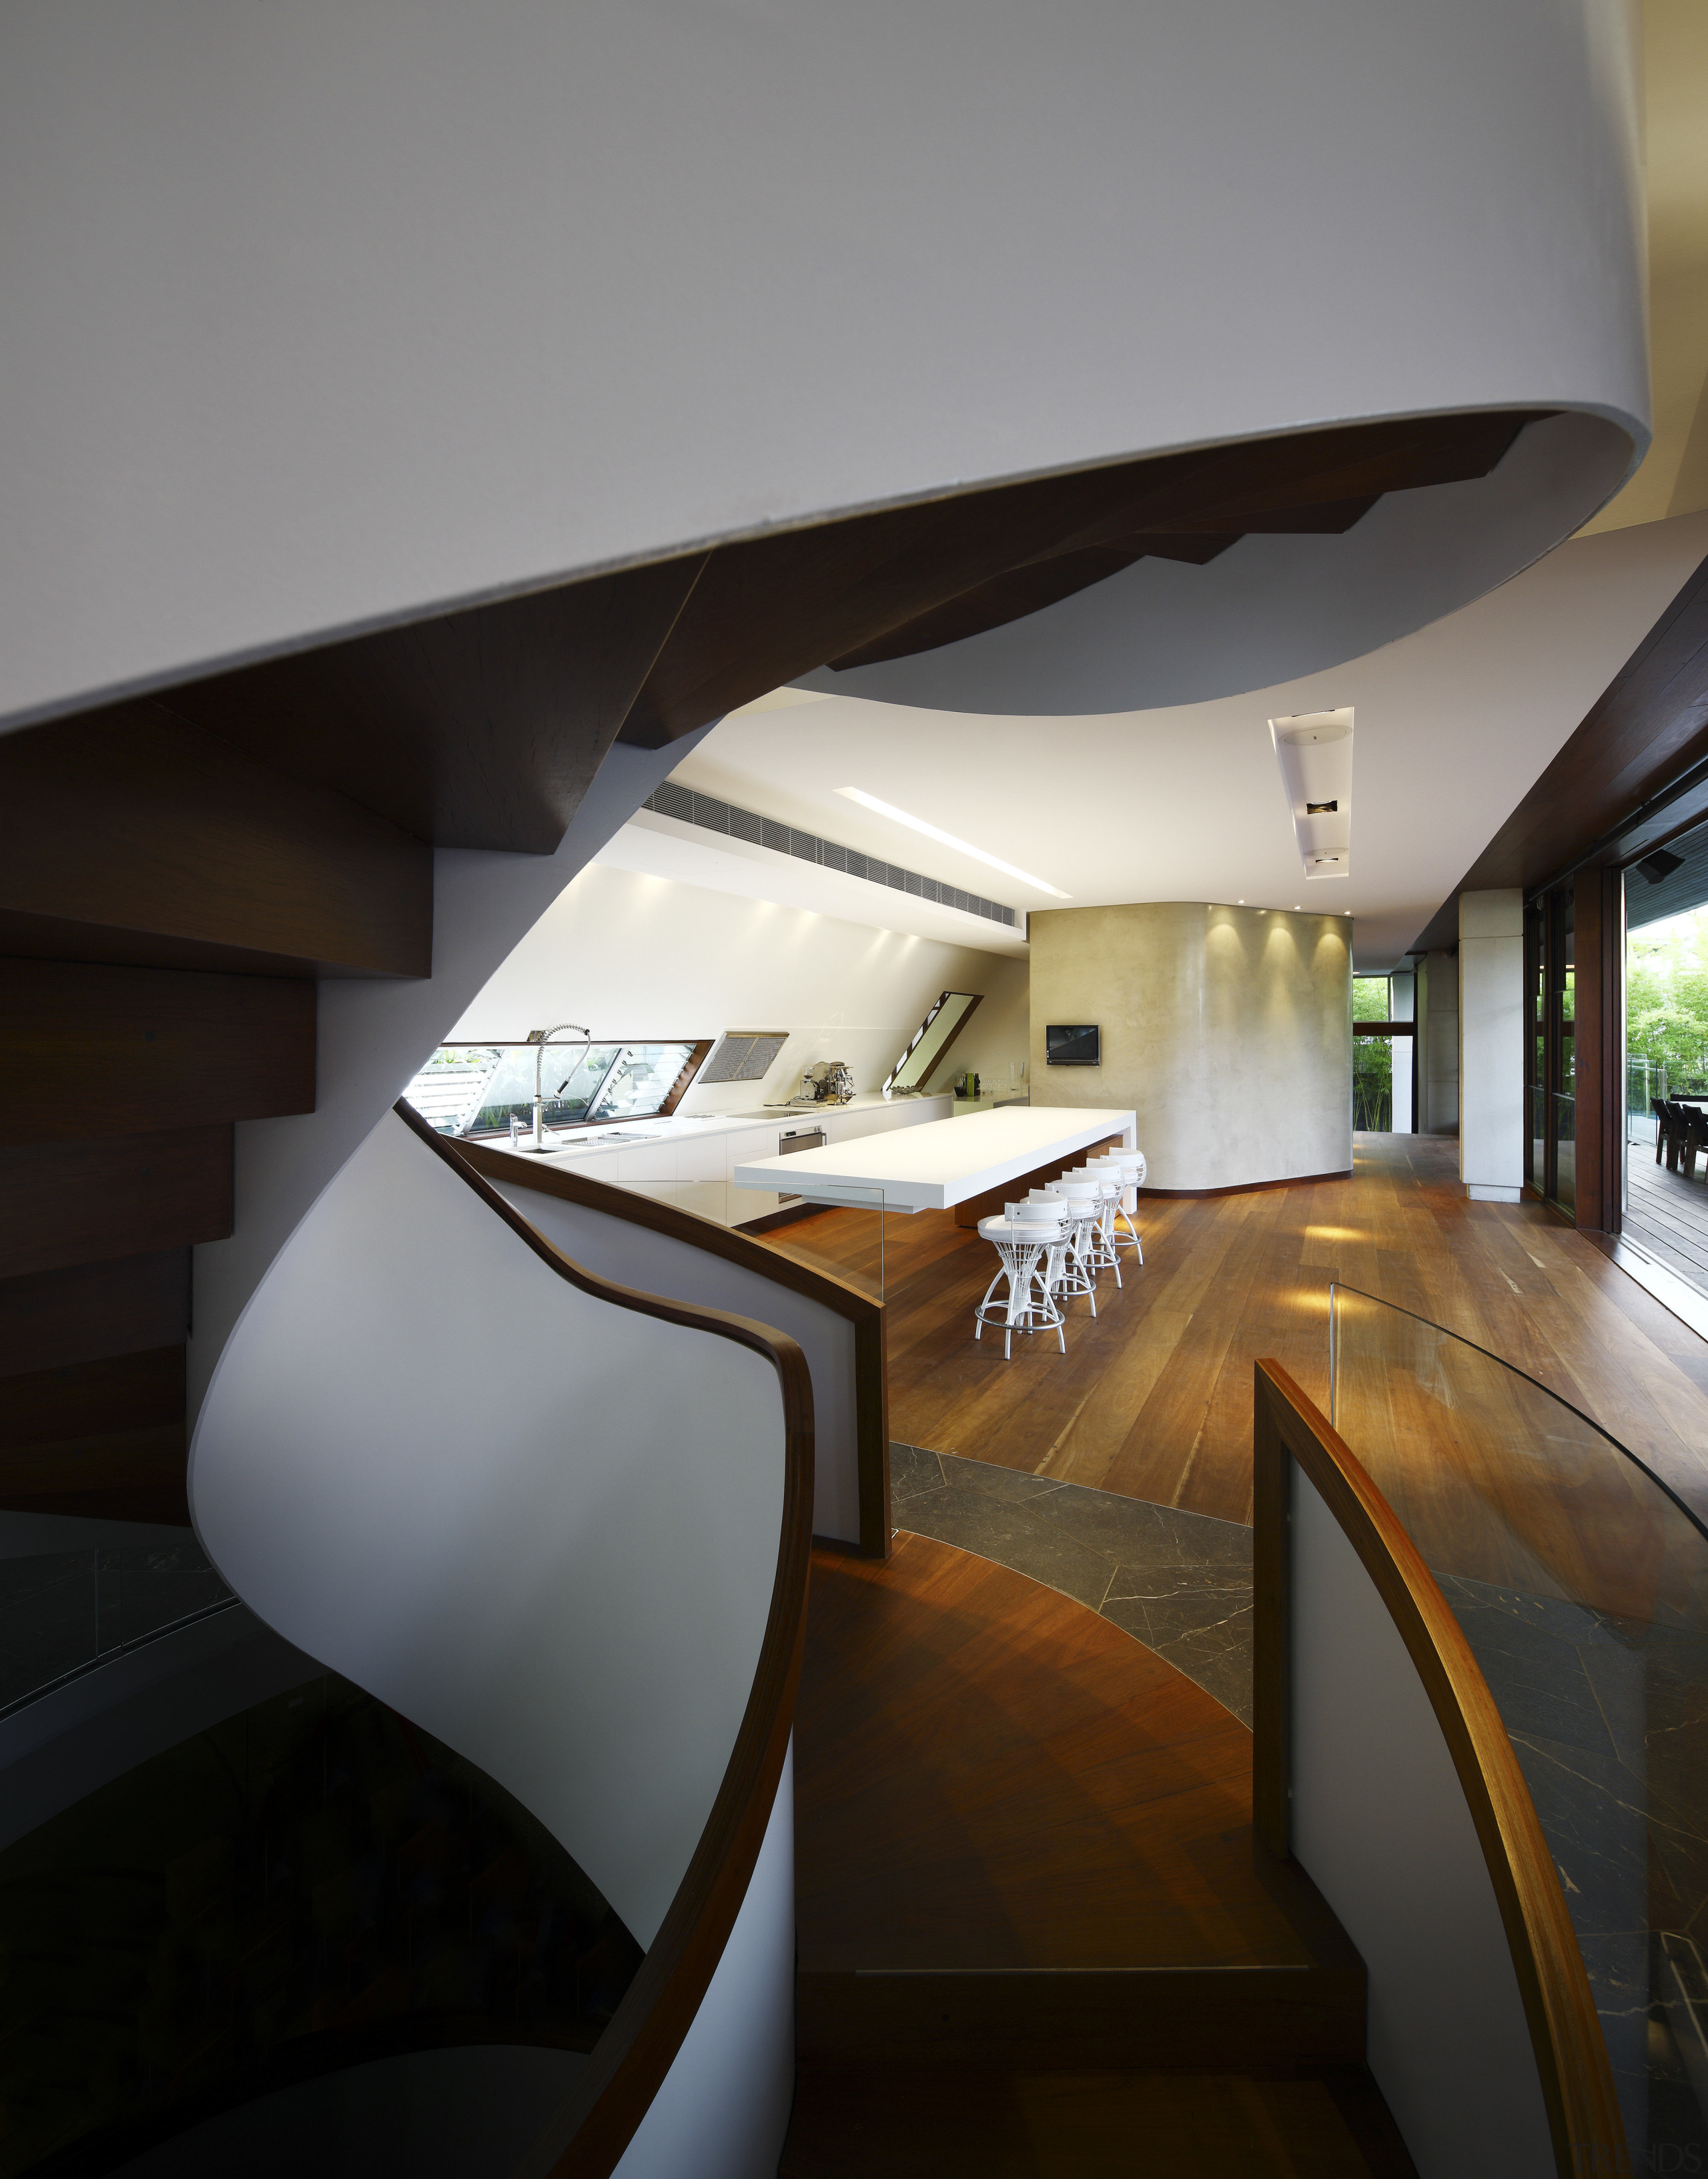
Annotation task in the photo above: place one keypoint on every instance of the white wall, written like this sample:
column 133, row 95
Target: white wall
column 544, row 1527
column 1379, row 1820
column 1492, row 1044
column 317, row 316
column 631, row 956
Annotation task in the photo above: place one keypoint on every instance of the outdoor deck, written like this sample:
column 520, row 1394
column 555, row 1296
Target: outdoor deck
column 1667, row 1215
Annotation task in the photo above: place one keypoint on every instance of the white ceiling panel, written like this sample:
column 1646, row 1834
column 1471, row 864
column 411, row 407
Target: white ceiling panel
column 1454, row 724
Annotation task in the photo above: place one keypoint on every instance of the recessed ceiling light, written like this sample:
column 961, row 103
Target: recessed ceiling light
column 1239, row 903
column 949, row 840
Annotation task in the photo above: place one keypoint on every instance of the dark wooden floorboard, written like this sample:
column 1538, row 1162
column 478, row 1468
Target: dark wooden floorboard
column 932, row 2125
column 1154, row 1399
column 990, row 1776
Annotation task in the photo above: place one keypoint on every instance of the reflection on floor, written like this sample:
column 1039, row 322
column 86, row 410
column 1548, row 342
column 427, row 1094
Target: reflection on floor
column 1153, row 1400
column 1180, row 1582
column 1025, row 1868
column 1667, row 1214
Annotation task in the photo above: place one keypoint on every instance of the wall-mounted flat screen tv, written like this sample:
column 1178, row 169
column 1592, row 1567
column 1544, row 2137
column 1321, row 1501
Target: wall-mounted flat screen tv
column 1073, row 1044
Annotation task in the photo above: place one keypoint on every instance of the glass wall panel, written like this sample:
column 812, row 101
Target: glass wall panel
column 1665, row 1208
column 1373, row 1062
column 1581, row 1585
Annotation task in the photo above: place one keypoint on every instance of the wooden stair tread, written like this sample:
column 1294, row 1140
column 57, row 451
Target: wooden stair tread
column 989, row 1775
column 1326, row 2123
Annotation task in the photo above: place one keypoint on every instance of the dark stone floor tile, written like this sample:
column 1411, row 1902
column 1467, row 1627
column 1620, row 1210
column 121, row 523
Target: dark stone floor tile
column 1009, row 1483
column 1136, row 1533
column 1225, row 1673
column 1203, row 1631
column 1009, row 1534
column 911, row 1470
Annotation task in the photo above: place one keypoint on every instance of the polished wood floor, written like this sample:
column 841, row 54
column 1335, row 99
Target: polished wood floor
column 1024, row 1869
column 923, row 2125
column 989, row 1775
column 1154, row 1398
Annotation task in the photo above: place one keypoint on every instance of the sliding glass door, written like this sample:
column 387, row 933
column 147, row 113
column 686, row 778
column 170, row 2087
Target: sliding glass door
column 1550, row 1060
column 1666, row 1057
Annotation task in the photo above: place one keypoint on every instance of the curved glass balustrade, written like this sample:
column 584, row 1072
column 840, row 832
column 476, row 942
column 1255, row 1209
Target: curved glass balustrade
column 67, row 1607
column 309, row 1887
column 1581, row 1583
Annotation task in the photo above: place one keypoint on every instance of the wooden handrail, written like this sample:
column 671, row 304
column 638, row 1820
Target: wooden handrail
column 636, row 2049
column 862, row 1310
column 1571, row 2053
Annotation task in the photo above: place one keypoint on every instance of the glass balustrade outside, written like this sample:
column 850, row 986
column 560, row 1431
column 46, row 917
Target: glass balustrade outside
column 63, row 1613
column 1581, row 1583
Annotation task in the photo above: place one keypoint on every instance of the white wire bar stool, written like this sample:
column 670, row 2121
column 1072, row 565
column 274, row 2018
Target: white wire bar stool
column 1081, row 1195
column 1030, row 1239
column 1130, row 1164
column 1103, row 1189
column 1074, row 1274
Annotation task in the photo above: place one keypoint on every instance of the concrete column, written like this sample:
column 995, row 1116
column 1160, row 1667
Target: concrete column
column 1491, row 1015
column 1438, row 1055
column 1228, row 1030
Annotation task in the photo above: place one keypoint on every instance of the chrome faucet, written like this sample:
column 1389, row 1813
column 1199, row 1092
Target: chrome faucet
column 542, row 1038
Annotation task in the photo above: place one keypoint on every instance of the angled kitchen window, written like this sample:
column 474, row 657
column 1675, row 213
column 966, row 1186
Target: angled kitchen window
column 478, row 1088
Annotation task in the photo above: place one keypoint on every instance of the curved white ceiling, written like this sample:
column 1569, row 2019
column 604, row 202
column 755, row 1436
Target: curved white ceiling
column 1269, row 608
column 321, row 317
column 1185, row 802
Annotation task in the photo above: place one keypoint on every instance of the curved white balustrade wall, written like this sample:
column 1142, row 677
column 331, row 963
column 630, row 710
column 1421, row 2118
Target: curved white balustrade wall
column 657, row 1263
column 320, row 317
column 544, row 1527
column 1380, row 1821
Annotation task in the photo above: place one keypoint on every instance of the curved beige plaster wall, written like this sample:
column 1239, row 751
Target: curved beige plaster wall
column 1229, row 1030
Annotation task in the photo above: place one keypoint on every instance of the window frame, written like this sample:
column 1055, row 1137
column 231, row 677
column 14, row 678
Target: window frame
column 699, row 1050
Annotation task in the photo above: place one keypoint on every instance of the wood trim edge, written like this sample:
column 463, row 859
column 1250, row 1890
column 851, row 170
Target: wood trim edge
column 1571, row 2053
column 636, row 2049
column 870, row 1367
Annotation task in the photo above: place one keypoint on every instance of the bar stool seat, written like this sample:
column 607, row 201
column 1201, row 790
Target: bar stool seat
column 1129, row 1165
column 1104, row 1189
column 1029, row 1239
column 1079, row 1268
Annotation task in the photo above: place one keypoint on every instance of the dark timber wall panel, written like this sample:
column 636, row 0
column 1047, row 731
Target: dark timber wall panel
column 62, row 1203
column 86, row 1049
column 129, row 821
column 119, row 1307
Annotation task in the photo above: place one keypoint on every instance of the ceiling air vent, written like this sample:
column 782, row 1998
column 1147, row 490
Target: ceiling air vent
column 744, row 1055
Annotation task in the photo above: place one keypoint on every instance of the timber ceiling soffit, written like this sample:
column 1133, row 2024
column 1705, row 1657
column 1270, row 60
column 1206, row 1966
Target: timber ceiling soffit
column 483, row 728
column 1648, row 728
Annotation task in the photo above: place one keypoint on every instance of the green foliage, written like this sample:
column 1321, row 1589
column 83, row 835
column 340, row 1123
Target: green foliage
column 1666, row 999
column 1372, row 1058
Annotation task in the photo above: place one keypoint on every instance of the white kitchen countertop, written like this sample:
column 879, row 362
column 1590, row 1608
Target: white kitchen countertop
column 941, row 1163
column 620, row 1135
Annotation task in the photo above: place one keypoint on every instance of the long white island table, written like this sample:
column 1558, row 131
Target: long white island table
column 943, row 1164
